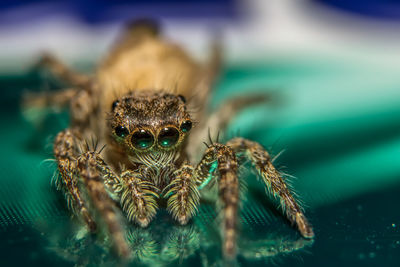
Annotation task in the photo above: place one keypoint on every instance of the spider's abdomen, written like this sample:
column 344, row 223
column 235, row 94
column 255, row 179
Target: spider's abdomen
column 149, row 64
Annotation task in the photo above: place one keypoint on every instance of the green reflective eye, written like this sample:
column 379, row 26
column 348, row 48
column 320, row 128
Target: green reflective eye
column 142, row 139
column 186, row 126
column 168, row 137
column 121, row 131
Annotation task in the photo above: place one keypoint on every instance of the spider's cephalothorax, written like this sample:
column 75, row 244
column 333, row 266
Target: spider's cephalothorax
column 149, row 123
column 151, row 127
column 136, row 106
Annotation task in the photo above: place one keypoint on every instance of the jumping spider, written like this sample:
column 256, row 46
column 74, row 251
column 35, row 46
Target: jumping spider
column 137, row 106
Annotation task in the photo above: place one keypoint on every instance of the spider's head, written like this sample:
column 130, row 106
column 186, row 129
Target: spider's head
column 149, row 123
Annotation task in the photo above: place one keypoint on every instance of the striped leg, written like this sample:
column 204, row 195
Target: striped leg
column 88, row 169
column 65, row 151
column 183, row 195
column 274, row 182
column 228, row 186
column 136, row 195
column 219, row 120
column 138, row 198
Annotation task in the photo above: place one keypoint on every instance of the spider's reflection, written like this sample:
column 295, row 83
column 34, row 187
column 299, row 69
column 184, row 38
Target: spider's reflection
column 166, row 244
column 180, row 243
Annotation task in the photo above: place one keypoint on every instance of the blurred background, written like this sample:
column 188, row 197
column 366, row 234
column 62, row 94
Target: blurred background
column 333, row 64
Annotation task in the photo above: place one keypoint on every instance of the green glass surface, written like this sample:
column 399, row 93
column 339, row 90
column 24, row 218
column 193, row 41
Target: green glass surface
column 337, row 123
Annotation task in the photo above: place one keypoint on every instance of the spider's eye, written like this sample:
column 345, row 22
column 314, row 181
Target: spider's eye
column 114, row 104
column 121, row 131
column 142, row 139
column 186, row 126
column 181, row 97
column 168, row 137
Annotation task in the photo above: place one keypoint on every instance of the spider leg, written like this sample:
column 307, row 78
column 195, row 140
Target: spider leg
column 55, row 100
column 228, row 186
column 219, row 119
column 272, row 247
column 274, row 182
column 63, row 72
column 65, row 152
column 89, row 171
column 80, row 101
column 35, row 106
column 137, row 197
column 183, row 195
column 82, row 106
column 181, row 243
column 144, row 246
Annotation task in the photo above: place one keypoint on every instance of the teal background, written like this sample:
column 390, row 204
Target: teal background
column 337, row 123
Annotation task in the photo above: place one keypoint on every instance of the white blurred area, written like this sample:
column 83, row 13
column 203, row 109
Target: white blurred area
column 269, row 29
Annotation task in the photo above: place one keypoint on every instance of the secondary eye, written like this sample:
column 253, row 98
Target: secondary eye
column 182, row 98
column 114, row 104
column 142, row 139
column 168, row 137
column 121, row 131
column 186, row 126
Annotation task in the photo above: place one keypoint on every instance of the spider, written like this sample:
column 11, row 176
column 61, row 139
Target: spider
column 146, row 105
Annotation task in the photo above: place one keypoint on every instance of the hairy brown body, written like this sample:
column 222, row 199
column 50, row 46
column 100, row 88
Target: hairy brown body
column 149, row 64
column 139, row 105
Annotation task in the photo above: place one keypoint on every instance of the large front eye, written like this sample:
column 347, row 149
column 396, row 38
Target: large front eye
column 142, row 139
column 168, row 137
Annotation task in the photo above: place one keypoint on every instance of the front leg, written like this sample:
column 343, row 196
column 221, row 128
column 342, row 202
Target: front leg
column 183, row 195
column 228, row 186
column 274, row 182
column 88, row 167
column 138, row 197
column 65, row 151
column 219, row 120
